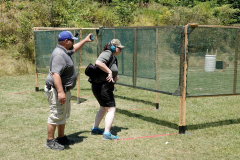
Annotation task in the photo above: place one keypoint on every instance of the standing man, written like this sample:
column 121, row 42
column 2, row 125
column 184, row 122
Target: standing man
column 60, row 80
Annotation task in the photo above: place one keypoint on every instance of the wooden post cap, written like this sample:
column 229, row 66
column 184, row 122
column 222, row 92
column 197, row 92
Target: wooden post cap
column 193, row 24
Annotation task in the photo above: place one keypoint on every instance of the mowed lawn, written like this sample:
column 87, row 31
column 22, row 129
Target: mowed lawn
column 213, row 125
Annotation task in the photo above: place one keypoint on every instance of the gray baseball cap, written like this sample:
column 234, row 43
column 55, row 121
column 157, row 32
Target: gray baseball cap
column 117, row 43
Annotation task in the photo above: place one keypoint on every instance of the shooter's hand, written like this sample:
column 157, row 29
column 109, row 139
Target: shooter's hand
column 61, row 97
column 110, row 77
column 88, row 39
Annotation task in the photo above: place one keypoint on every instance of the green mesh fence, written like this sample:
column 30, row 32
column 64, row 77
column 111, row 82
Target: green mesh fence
column 89, row 50
column 151, row 57
column 44, row 45
column 213, row 58
column 46, row 40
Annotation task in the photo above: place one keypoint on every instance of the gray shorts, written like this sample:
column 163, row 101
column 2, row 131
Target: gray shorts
column 58, row 112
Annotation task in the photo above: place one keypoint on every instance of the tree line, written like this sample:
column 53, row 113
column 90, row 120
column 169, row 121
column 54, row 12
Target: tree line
column 18, row 17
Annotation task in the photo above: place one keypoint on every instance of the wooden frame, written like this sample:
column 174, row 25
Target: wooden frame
column 183, row 103
column 183, row 66
column 182, row 110
column 157, row 76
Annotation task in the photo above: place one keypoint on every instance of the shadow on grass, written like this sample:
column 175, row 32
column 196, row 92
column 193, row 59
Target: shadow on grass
column 115, row 129
column 162, row 122
column 148, row 119
column 213, row 124
column 175, row 126
column 81, row 100
column 135, row 100
column 76, row 138
column 41, row 90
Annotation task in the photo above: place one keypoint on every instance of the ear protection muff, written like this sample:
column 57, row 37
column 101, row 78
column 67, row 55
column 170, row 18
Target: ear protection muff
column 112, row 47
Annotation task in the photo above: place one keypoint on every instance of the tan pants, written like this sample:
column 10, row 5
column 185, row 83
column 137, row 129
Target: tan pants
column 58, row 112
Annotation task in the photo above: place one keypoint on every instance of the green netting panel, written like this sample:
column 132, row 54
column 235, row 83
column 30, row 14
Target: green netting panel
column 89, row 50
column 170, row 48
column 146, row 58
column 146, row 53
column 45, row 42
column 125, row 59
column 44, row 45
column 150, row 53
column 213, row 61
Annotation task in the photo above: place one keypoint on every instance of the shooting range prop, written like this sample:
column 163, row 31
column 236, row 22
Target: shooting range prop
column 210, row 63
column 164, row 59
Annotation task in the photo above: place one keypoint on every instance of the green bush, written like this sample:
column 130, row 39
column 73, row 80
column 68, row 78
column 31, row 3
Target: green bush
column 43, row 15
column 125, row 13
column 20, row 6
column 105, row 17
column 59, row 13
column 26, row 47
column 226, row 14
column 8, row 5
column 4, row 42
column 13, row 39
column 166, row 16
column 168, row 2
column 88, row 13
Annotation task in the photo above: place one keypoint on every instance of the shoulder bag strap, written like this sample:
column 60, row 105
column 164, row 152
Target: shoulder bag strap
column 112, row 60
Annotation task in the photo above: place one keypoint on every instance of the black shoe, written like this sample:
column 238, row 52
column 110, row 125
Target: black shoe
column 53, row 144
column 65, row 141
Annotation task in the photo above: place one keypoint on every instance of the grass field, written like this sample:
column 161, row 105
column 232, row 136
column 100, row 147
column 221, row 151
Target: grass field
column 213, row 125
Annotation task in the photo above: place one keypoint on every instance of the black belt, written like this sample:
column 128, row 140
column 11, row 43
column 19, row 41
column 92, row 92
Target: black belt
column 49, row 87
column 66, row 88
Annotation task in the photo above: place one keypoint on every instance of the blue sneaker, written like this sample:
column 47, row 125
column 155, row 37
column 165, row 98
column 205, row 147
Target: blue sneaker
column 97, row 131
column 109, row 137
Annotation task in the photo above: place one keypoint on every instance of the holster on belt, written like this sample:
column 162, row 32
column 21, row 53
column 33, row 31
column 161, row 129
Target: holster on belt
column 65, row 89
column 49, row 87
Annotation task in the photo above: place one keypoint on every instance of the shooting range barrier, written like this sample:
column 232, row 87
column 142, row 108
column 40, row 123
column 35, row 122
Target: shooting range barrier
column 186, row 61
